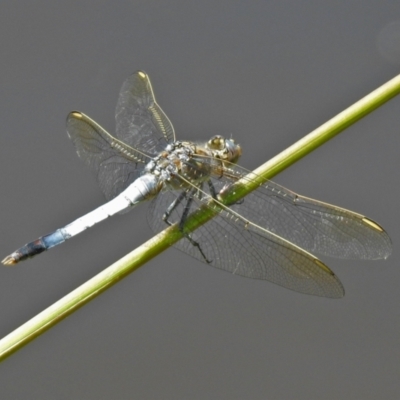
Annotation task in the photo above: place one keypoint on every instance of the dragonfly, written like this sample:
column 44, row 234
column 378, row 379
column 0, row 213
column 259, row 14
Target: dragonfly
column 270, row 234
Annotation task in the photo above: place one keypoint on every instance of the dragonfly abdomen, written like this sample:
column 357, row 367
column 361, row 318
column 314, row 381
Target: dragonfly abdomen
column 36, row 247
column 140, row 190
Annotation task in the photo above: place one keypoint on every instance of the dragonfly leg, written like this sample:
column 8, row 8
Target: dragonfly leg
column 172, row 207
column 186, row 210
column 212, row 189
column 182, row 223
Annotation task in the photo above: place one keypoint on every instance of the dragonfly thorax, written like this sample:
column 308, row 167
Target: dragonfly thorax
column 179, row 164
column 185, row 163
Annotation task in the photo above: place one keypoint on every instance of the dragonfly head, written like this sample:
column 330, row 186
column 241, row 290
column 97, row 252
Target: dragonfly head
column 225, row 149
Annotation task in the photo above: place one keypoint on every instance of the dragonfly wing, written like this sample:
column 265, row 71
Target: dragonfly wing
column 116, row 164
column 231, row 244
column 313, row 225
column 141, row 123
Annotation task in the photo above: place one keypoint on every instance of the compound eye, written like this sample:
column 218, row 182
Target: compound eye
column 216, row 143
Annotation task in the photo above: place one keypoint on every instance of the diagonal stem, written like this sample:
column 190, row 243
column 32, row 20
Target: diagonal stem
column 129, row 263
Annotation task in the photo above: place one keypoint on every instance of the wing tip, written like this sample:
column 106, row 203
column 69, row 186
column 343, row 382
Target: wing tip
column 75, row 114
column 337, row 290
column 385, row 249
column 323, row 266
column 373, row 224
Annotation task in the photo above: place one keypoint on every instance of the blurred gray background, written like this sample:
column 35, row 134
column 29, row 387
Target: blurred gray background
column 266, row 73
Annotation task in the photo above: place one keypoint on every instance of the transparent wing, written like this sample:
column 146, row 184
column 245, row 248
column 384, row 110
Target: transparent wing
column 141, row 123
column 231, row 244
column 116, row 164
column 313, row 225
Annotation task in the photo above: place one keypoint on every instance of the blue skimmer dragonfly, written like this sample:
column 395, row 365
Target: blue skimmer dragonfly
column 269, row 234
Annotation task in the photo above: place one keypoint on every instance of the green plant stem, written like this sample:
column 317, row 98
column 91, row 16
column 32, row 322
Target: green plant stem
column 111, row 275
